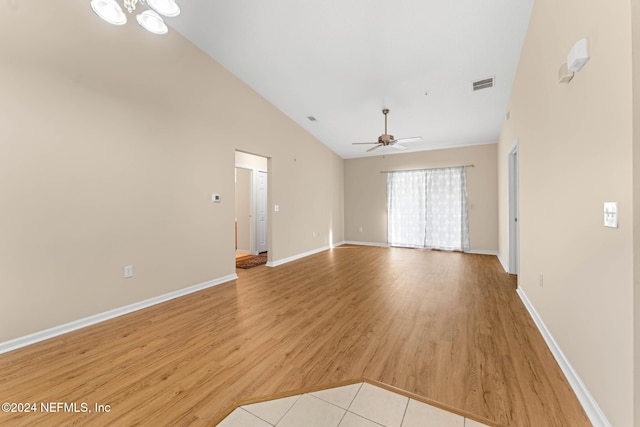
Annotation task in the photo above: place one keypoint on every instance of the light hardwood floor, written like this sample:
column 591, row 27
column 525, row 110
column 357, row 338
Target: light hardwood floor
column 445, row 326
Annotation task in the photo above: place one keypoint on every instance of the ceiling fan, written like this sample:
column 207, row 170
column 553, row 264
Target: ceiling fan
column 386, row 140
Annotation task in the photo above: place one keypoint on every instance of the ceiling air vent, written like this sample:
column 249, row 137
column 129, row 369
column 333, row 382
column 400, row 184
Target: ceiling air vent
column 483, row 84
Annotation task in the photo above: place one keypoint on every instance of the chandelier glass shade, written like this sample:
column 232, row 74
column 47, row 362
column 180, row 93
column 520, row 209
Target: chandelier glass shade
column 165, row 7
column 109, row 11
column 149, row 19
column 152, row 22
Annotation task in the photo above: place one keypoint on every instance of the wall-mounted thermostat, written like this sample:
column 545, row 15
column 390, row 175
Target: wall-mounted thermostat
column 611, row 214
column 215, row 198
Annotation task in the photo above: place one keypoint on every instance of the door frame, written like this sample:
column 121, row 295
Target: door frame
column 253, row 239
column 255, row 223
column 514, row 208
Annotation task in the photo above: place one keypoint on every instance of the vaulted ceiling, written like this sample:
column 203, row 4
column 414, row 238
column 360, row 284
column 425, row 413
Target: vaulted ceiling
column 342, row 62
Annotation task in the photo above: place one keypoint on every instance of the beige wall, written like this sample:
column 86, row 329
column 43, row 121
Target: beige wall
column 250, row 161
column 366, row 192
column 635, row 10
column 112, row 141
column 575, row 152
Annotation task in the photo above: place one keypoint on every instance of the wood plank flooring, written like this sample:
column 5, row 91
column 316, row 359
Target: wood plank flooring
column 445, row 326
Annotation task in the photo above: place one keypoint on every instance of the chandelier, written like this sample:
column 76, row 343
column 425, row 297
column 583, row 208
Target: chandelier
column 149, row 19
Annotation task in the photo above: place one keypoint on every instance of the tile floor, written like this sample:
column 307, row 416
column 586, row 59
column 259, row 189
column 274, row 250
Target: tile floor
column 356, row 405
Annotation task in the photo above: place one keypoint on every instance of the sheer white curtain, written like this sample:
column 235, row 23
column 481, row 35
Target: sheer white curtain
column 428, row 209
column 406, row 208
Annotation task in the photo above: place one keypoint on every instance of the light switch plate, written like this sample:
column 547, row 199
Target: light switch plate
column 215, row 198
column 611, row 214
column 128, row 271
column 276, row 208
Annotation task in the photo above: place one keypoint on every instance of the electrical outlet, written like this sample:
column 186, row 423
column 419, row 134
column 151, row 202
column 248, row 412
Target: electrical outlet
column 128, row 271
column 313, row 234
column 360, row 229
column 540, row 280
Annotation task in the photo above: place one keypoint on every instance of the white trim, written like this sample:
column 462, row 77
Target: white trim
column 386, row 245
column 481, row 252
column 101, row 317
column 295, row 257
column 312, row 252
column 504, row 265
column 593, row 411
column 351, row 242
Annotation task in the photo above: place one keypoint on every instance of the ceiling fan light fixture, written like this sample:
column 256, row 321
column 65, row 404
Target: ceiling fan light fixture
column 387, row 140
column 109, row 11
column 165, row 7
column 152, row 22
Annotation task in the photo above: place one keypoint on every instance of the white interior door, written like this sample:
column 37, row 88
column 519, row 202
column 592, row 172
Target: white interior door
column 261, row 211
column 514, row 226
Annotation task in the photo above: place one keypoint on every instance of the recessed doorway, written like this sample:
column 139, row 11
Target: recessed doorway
column 251, row 230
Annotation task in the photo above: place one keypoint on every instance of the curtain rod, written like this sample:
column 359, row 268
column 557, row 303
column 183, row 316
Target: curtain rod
column 428, row 169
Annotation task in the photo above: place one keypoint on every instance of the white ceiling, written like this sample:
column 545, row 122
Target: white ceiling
column 343, row 61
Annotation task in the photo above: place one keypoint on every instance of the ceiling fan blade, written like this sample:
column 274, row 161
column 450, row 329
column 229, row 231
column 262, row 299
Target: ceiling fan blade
column 412, row 139
column 357, row 143
column 398, row 146
column 373, row 148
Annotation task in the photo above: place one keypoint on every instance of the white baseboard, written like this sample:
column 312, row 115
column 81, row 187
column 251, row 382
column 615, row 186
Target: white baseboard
column 504, row 264
column 352, row 242
column 593, row 411
column 481, row 252
column 101, row 317
column 386, row 245
column 295, row 257
column 311, row 252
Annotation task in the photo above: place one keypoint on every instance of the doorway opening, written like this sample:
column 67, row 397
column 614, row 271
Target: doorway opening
column 514, row 228
column 251, row 178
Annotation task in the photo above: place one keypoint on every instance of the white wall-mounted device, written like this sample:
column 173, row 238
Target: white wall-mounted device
column 578, row 56
column 128, row 271
column 215, row 198
column 611, row 214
